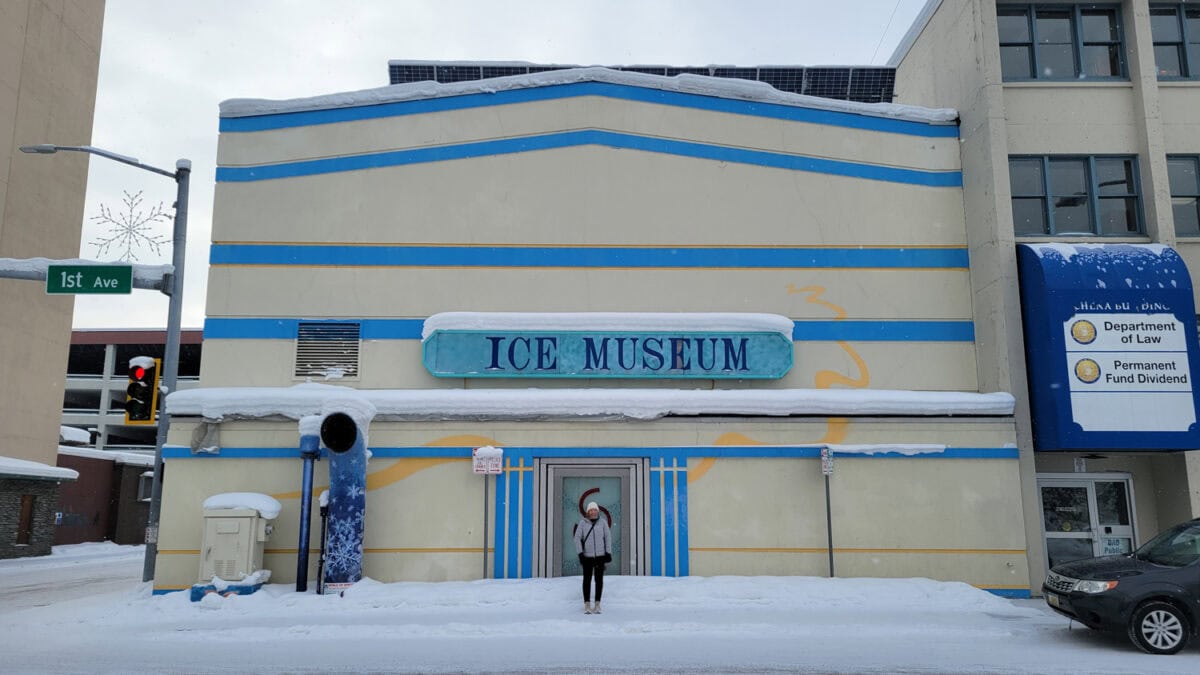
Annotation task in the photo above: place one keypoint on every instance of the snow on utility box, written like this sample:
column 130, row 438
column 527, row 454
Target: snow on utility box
column 231, row 552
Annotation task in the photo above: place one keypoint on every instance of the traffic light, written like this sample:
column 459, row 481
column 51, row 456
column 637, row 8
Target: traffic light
column 141, row 396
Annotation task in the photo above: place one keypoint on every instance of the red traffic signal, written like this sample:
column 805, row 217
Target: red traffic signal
column 141, row 395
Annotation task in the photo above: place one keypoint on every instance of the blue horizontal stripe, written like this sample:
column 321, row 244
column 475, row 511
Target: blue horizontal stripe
column 1015, row 593
column 410, row 329
column 566, row 139
column 560, row 91
column 620, row 257
column 749, row 451
column 288, row 329
column 884, row 331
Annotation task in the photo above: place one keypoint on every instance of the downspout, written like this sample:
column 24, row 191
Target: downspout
column 310, row 450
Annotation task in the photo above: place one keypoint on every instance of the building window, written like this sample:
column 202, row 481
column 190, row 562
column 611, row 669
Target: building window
column 1176, row 32
column 25, row 521
column 1058, row 195
column 145, row 486
column 1183, row 174
column 1063, row 42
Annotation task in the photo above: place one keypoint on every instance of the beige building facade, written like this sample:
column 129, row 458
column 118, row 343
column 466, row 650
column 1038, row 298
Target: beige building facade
column 49, row 57
column 361, row 241
column 1079, row 91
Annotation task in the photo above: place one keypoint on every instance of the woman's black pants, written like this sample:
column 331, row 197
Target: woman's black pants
column 593, row 566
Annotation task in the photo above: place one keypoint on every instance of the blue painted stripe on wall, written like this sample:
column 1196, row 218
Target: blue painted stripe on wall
column 668, row 507
column 514, row 518
column 527, row 523
column 884, row 331
column 1016, row 593
column 682, row 519
column 498, row 542
column 608, row 90
column 569, row 139
column 804, row 331
column 656, row 530
column 588, row 257
column 287, row 329
column 757, row 451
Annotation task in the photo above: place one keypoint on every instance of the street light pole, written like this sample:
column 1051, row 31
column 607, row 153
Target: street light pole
column 173, row 287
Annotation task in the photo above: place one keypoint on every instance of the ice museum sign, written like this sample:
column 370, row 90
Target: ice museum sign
column 588, row 346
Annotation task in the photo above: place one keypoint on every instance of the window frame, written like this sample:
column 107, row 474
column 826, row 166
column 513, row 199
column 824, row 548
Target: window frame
column 1093, row 196
column 1187, row 71
column 145, row 486
column 1195, row 160
column 1030, row 11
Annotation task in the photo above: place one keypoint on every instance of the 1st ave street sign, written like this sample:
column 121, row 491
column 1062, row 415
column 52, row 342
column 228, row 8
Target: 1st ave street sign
column 89, row 279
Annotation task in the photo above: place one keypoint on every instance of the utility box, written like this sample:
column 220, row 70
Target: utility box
column 233, row 543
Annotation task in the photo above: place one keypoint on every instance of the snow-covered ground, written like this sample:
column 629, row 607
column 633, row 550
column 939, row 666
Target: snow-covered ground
column 85, row 610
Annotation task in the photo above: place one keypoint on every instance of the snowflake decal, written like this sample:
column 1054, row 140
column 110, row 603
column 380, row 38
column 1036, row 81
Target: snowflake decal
column 131, row 228
column 343, row 552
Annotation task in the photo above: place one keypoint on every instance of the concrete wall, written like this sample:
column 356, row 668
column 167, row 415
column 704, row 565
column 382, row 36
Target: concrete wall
column 49, row 56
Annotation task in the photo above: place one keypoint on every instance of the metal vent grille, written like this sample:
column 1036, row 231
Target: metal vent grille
column 327, row 350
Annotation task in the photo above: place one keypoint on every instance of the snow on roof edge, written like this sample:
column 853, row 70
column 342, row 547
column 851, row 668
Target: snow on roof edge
column 747, row 90
column 131, row 458
column 611, row 321
column 307, row 399
column 24, row 468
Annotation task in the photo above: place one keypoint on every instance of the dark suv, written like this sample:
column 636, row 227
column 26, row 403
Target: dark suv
column 1153, row 594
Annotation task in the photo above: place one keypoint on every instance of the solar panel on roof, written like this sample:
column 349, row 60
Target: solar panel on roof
column 863, row 84
column 826, row 82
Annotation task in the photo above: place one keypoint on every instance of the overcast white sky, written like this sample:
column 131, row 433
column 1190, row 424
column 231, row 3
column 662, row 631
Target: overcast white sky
column 165, row 67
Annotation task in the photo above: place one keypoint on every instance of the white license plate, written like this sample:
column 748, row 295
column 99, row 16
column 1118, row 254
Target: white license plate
column 1052, row 600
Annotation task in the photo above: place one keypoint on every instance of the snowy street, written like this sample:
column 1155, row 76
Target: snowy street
column 84, row 610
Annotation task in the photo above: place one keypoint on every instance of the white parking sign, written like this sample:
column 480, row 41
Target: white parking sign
column 487, row 460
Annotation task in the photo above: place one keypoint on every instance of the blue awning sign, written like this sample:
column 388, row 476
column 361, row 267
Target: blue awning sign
column 1111, row 347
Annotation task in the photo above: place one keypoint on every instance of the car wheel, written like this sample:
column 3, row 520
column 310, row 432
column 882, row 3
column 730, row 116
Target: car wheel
column 1159, row 628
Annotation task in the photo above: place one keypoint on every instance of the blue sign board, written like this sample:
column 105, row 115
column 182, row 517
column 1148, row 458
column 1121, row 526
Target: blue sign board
column 607, row 354
column 1111, row 347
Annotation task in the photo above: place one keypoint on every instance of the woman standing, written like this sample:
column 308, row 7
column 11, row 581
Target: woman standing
column 593, row 543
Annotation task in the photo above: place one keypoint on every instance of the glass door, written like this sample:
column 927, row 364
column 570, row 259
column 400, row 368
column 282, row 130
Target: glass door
column 575, row 494
column 1085, row 516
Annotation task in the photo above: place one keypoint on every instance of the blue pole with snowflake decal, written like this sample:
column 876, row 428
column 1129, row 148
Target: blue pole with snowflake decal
column 347, row 501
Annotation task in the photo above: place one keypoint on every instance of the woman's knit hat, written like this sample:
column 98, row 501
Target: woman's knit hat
column 592, row 505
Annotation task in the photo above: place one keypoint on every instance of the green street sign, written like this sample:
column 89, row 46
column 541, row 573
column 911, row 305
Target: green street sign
column 89, row 279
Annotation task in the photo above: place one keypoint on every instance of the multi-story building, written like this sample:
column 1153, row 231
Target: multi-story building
column 97, row 377
column 49, row 58
column 1080, row 124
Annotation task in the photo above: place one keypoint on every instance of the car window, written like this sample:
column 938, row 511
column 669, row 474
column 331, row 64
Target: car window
column 1175, row 547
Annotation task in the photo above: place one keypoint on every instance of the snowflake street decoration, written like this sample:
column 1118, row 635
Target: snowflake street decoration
column 131, row 229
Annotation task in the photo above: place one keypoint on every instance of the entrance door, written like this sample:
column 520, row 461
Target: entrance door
column 565, row 486
column 1085, row 516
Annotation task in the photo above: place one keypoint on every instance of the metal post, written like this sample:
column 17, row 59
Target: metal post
column 183, row 173
column 829, row 525
column 486, row 480
column 173, row 287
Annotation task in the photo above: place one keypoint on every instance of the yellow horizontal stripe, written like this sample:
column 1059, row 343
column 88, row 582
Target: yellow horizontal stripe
column 940, row 551
column 576, row 268
column 292, row 551
column 560, row 245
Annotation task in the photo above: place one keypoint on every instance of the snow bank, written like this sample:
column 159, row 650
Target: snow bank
column 74, row 435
